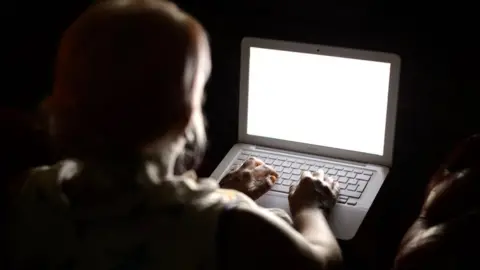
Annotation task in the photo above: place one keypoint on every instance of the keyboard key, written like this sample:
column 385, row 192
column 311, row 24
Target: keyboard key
column 368, row 173
column 263, row 155
column 269, row 161
column 351, row 175
column 363, row 177
column 358, row 171
column 272, row 156
column 361, row 186
column 287, row 170
column 342, row 199
column 352, row 187
column 295, row 165
column 352, row 181
column 277, row 162
column 351, row 201
column 342, row 173
column 281, row 158
column 243, row 157
column 287, row 164
column 342, row 185
column 304, row 167
column 338, row 168
column 310, row 163
column 286, row 175
column 349, row 193
column 301, row 161
column 279, row 181
column 314, row 168
column 281, row 188
column 291, row 159
column 278, row 168
column 343, row 179
column 348, row 169
column 295, row 177
column 319, row 164
column 328, row 166
column 332, row 171
column 287, row 182
column 296, row 171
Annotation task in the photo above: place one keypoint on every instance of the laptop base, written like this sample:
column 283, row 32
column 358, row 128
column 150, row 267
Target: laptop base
column 344, row 219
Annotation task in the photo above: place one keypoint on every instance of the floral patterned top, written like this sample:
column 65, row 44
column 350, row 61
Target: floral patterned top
column 149, row 223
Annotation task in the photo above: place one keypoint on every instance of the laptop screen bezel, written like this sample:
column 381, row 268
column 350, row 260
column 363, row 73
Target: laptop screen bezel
column 393, row 59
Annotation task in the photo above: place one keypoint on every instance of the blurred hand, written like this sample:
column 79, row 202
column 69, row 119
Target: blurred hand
column 453, row 188
column 313, row 191
column 253, row 177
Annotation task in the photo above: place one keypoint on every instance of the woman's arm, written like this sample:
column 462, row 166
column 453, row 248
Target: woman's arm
column 249, row 239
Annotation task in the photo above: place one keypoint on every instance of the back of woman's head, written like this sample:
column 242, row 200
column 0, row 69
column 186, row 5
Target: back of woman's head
column 123, row 78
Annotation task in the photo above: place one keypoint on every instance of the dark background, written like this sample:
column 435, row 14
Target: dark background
column 438, row 94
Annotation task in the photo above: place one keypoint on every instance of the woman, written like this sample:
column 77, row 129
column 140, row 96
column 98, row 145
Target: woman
column 125, row 111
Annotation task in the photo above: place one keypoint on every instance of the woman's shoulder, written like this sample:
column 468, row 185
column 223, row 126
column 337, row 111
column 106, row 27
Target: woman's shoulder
column 40, row 192
column 42, row 178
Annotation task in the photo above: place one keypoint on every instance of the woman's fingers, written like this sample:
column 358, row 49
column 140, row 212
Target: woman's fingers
column 292, row 190
column 248, row 164
column 329, row 180
column 264, row 171
column 319, row 174
column 261, row 187
column 251, row 163
column 306, row 174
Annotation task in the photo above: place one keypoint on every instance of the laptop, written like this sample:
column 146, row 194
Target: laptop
column 310, row 107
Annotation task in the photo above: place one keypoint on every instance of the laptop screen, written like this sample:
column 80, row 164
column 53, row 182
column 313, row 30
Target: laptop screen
column 318, row 99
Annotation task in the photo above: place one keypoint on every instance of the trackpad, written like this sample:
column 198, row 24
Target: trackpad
column 274, row 200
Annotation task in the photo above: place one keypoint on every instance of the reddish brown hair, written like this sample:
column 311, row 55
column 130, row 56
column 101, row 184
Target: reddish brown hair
column 122, row 77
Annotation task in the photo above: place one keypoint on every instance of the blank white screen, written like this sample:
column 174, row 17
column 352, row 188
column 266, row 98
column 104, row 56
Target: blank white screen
column 317, row 99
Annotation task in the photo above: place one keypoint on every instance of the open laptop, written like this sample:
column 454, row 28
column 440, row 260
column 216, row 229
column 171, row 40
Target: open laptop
column 306, row 107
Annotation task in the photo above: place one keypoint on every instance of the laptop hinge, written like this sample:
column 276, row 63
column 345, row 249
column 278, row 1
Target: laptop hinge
column 253, row 147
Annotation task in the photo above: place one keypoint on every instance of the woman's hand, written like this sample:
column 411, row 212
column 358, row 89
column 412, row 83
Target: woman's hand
column 254, row 178
column 315, row 190
column 453, row 189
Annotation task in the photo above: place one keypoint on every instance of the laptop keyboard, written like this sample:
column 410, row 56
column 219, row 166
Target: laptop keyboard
column 352, row 181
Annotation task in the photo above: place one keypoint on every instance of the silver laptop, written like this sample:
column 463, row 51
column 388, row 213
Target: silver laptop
column 310, row 107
